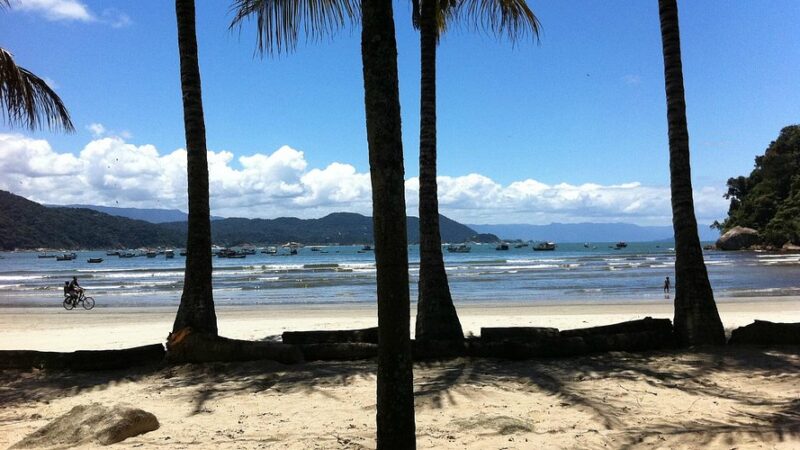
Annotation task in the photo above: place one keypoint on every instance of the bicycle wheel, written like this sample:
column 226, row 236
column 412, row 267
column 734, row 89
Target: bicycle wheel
column 68, row 304
column 88, row 303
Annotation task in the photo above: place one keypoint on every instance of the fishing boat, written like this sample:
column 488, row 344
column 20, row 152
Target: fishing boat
column 169, row 254
column 112, row 253
column 544, row 246
column 621, row 244
column 94, row 260
column 501, row 246
column 46, row 255
column 366, row 248
column 66, row 257
column 521, row 245
column 271, row 250
column 316, row 249
column 458, row 248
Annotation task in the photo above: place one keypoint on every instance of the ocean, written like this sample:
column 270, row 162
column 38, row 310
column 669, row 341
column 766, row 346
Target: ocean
column 572, row 273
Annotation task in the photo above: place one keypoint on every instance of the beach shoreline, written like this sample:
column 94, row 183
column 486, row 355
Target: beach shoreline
column 55, row 329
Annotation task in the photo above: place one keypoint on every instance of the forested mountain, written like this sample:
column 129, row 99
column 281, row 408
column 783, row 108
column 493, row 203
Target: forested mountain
column 26, row 224
column 343, row 228
column 152, row 215
column 768, row 200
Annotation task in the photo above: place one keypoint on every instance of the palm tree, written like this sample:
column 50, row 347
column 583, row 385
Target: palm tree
column 279, row 23
column 26, row 100
column 436, row 315
column 196, row 309
column 697, row 321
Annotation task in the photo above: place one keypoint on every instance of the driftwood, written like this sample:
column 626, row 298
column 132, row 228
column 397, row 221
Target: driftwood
column 339, row 351
column 365, row 335
column 83, row 359
column 519, row 334
column 532, row 342
column 185, row 346
column 648, row 324
column 762, row 332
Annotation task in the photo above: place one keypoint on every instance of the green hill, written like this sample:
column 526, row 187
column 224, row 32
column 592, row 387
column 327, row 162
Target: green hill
column 342, row 228
column 768, row 200
column 25, row 224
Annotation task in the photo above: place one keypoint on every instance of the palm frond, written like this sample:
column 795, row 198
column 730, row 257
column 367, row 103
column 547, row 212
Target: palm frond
column 502, row 18
column 5, row 3
column 279, row 23
column 26, row 100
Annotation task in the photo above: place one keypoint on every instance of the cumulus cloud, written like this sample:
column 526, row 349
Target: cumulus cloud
column 110, row 171
column 72, row 10
column 57, row 9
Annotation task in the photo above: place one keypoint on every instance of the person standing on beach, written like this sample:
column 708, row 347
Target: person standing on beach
column 666, row 286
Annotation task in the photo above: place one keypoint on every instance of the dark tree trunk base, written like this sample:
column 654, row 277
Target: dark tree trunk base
column 185, row 346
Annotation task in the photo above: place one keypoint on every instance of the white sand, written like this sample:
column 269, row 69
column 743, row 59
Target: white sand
column 55, row 329
column 723, row 398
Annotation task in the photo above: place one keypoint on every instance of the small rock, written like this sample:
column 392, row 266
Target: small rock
column 92, row 423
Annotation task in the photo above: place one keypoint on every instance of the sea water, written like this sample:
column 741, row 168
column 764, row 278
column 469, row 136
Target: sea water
column 573, row 273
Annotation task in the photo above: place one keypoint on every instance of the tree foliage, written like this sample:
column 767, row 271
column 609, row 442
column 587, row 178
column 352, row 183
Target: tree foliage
column 768, row 200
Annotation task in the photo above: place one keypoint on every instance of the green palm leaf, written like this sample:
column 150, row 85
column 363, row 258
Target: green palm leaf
column 280, row 23
column 27, row 100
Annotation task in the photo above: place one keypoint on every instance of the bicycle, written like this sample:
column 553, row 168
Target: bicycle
column 86, row 302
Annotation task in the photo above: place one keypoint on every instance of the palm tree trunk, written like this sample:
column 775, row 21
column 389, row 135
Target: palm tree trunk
column 697, row 321
column 395, row 402
column 196, row 309
column 436, row 315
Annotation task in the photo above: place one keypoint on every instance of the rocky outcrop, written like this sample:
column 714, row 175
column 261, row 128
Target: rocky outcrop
column 91, row 424
column 738, row 238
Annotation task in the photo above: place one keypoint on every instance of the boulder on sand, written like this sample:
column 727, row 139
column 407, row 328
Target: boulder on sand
column 738, row 238
column 91, row 424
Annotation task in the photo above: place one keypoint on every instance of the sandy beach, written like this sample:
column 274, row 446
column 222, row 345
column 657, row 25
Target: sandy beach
column 720, row 398
column 55, row 329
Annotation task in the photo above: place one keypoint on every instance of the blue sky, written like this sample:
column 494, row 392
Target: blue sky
column 571, row 129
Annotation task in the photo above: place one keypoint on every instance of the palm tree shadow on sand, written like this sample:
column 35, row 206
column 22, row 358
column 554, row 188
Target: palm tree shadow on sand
column 620, row 392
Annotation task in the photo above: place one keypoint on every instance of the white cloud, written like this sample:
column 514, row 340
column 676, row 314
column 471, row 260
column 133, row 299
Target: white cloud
column 57, row 9
column 632, row 79
column 97, row 129
column 110, row 171
column 72, row 10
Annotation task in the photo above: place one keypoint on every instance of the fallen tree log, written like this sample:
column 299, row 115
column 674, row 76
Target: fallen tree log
column 425, row 350
column 364, row 335
column 83, row 359
column 185, row 346
column 762, row 332
column 519, row 334
column 339, row 351
column 633, row 326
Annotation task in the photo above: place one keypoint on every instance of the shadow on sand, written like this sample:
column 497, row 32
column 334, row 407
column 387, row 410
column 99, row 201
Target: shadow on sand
column 613, row 407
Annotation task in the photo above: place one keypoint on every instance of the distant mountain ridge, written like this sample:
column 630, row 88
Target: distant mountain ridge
column 152, row 215
column 26, row 225
column 589, row 232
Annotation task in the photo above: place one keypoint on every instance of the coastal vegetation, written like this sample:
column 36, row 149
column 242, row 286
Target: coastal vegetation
column 697, row 321
column 768, row 200
column 28, row 225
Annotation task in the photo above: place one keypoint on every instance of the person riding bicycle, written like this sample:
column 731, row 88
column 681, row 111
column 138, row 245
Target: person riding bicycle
column 73, row 289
